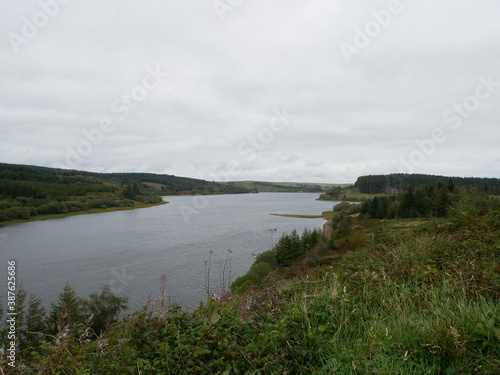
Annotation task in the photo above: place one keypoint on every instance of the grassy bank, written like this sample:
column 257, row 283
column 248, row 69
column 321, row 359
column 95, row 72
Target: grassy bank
column 87, row 212
column 301, row 216
column 345, row 194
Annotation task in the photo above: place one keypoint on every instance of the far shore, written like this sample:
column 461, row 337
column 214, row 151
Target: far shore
column 91, row 211
column 339, row 200
column 303, row 216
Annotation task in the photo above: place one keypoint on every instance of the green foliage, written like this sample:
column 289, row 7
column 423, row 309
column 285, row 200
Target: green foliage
column 346, row 194
column 104, row 307
column 132, row 190
column 68, row 313
column 347, row 208
column 428, row 201
column 333, row 193
column 261, row 186
column 29, row 191
column 376, row 184
column 13, row 213
column 52, row 208
column 36, row 319
column 287, row 250
column 344, row 226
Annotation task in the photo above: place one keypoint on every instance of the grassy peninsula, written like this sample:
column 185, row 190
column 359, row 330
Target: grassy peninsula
column 415, row 293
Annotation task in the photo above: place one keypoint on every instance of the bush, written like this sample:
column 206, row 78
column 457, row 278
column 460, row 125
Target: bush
column 149, row 199
column 127, row 203
column 347, row 208
column 268, row 257
column 102, row 203
column 77, row 206
column 105, row 307
column 23, row 213
column 3, row 215
column 53, row 208
column 288, row 249
column 6, row 204
column 264, row 264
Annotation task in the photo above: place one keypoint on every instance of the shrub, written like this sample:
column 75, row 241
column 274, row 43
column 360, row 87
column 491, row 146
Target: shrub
column 347, row 208
column 6, row 204
column 102, row 203
column 53, row 208
column 105, row 308
column 77, row 206
column 14, row 213
column 4, row 215
column 127, row 203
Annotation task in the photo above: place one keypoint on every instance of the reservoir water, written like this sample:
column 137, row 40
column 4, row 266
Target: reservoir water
column 130, row 250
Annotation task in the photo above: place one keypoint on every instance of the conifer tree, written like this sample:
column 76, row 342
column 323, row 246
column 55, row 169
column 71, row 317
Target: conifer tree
column 67, row 313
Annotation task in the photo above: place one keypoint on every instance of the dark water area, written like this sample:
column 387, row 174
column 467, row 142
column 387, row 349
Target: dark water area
column 130, row 250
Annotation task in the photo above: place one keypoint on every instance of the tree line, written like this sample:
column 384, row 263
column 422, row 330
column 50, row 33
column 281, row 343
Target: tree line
column 434, row 200
column 29, row 191
column 22, row 200
column 287, row 250
column 378, row 184
column 172, row 185
column 81, row 318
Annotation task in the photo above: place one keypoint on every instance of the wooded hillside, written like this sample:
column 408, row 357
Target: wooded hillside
column 376, row 184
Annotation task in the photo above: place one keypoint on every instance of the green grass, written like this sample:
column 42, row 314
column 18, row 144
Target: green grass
column 86, row 212
column 350, row 194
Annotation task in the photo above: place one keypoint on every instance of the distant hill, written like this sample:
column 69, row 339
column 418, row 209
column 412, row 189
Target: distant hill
column 167, row 184
column 284, row 187
column 30, row 193
column 376, row 184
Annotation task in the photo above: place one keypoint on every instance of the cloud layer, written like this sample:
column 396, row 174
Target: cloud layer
column 320, row 91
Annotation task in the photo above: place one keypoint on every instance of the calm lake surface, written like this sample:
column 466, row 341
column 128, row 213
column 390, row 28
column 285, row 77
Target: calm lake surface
column 130, row 250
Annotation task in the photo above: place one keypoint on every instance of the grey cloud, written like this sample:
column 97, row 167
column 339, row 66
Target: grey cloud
column 226, row 78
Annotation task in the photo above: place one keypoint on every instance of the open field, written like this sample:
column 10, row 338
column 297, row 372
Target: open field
column 266, row 187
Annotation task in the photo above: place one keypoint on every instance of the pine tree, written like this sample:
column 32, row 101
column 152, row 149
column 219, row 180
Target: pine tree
column 67, row 313
column 35, row 321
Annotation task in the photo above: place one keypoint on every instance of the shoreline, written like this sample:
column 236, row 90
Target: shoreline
column 302, row 216
column 339, row 200
column 78, row 213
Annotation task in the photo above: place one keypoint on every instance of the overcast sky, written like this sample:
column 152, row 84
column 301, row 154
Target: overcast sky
column 276, row 90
